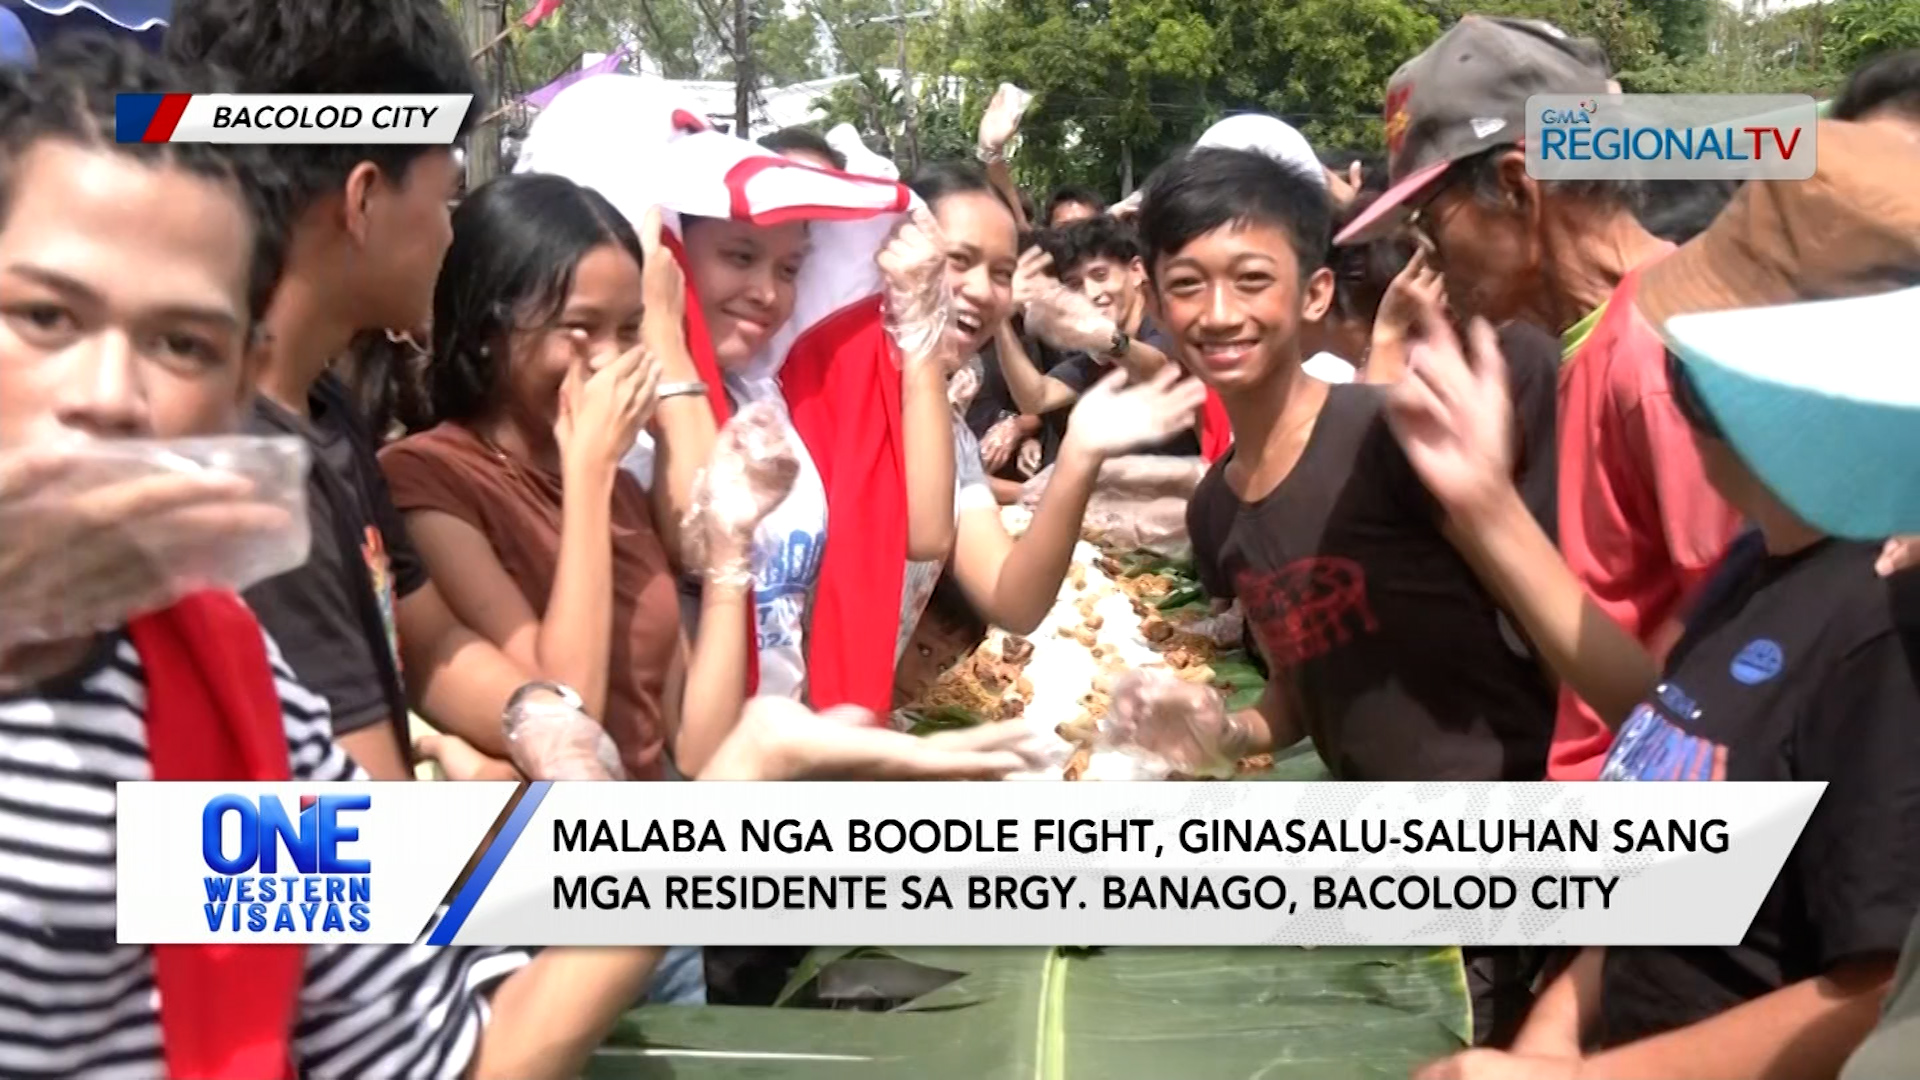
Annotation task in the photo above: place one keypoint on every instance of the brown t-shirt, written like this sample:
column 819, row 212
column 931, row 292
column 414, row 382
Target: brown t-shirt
column 517, row 508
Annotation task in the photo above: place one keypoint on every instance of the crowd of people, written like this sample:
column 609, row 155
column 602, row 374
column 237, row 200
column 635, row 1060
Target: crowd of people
column 645, row 461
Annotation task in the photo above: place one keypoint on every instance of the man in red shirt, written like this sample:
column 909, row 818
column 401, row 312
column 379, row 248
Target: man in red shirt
column 1638, row 522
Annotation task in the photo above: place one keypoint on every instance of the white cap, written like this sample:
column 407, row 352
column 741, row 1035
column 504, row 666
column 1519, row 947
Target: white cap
column 1267, row 135
column 860, row 160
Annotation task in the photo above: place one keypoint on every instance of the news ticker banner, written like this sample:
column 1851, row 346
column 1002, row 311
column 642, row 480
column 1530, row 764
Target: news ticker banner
column 420, row 119
column 1669, row 136
column 954, row 864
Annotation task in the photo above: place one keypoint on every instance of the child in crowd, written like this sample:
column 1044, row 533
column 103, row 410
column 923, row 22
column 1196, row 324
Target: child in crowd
column 1384, row 648
column 1793, row 664
column 515, row 498
column 361, row 622
column 1013, row 583
column 790, row 283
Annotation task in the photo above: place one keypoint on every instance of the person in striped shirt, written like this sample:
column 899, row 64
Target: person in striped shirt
column 132, row 281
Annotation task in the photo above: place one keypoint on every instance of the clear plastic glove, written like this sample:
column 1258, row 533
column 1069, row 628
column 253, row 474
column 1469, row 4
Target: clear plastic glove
column 1065, row 319
column 781, row 739
column 1033, row 277
column 964, row 385
column 752, row 470
column 919, row 304
column 1112, row 417
column 1137, row 478
column 1002, row 120
column 1028, row 461
column 998, row 444
column 96, row 532
column 1156, row 525
column 551, row 740
column 1184, row 726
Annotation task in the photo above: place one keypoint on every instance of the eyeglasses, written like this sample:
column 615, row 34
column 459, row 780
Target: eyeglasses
column 1423, row 224
column 1687, row 401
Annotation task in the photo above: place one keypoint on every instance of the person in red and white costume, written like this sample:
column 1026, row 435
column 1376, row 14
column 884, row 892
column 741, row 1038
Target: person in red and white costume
column 787, row 302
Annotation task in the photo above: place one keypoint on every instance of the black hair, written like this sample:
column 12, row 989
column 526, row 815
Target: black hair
column 1213, row 187
column 1890, row 82
column 1074, row 193
column 1363, row 272
column 70, row 97
column 328, row 47
column 516, row 243
column 804, row 140
column 1100, row 237
column 1480, row 175
column 1679, row 210
column 943, row 178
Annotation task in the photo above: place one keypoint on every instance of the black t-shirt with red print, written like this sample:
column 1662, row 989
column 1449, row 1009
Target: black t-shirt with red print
column 1394, row 658
column 1792, row 667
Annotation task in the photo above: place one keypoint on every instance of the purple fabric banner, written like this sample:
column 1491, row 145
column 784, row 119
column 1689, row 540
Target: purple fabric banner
column 544, row 96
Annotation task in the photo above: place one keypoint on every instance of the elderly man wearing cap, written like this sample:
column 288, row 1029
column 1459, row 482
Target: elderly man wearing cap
column 1639, row 523
column 1799, row 662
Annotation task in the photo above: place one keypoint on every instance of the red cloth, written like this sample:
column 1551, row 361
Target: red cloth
column 226, row 1011
column 842, row 386
column 539, row 12
column 1216, row 430
column 700, row 345
column 1639, row 524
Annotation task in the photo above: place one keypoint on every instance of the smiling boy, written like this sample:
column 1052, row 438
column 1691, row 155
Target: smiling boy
column 1385, row 649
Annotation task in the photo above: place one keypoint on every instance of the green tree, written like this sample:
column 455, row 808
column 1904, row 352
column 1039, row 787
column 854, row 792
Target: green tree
column 1859, row 30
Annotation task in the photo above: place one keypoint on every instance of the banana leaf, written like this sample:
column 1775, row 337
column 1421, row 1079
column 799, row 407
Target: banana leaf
column 1067, row 1014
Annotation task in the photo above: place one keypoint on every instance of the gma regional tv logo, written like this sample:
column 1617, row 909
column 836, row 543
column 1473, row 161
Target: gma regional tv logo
column 1671, row 137
column 280, row 870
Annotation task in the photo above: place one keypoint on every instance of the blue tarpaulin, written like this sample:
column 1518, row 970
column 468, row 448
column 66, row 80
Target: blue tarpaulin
column 43, row 21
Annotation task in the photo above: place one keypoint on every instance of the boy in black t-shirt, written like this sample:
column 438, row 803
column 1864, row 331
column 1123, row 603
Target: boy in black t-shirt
column 1384, row 647
column 1797, row 663
column 367, row 226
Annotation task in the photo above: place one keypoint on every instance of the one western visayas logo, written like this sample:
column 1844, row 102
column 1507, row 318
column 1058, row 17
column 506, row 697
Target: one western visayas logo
column 316, row 887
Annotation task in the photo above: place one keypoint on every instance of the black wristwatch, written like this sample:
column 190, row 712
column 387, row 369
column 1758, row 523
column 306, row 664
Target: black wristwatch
column 1120, row 343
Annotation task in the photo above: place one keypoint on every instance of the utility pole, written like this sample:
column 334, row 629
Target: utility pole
column 484, row 19
column 907, row 95
column 742, row 69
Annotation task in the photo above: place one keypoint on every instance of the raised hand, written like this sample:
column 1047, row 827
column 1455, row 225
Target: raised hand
column 1454, row 417
column 919, row 303
column 1033, row 276
column 663, row 290
column 1002, row 120
column 1342, row 190
column 1066, row 319
column 752, row 470
column 1112, row 418
column 963, row 386
column 606, row 400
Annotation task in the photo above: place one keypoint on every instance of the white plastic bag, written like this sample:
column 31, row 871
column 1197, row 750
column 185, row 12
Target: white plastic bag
column 96, row 532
